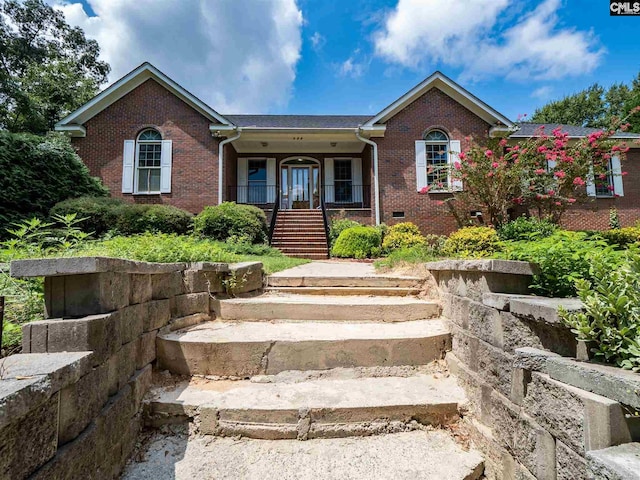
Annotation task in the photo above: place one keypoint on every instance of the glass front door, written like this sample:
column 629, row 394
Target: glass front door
column 300, row 184
column 299, row 196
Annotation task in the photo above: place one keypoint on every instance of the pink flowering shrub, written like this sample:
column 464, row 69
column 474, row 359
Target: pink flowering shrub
column 544, row 174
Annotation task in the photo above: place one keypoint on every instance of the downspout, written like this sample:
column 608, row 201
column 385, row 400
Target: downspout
column 221, row 162
column 376, row 190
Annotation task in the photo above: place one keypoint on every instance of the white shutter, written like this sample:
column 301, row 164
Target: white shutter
column 551, row 164
column 128, row 160
column 271, row 180
column 421, row 165
column 356, row 179
column 329, row 195
column 165, row 167
column 616, row 171
column 454, row 156
column 243, row 180
column 591, row 186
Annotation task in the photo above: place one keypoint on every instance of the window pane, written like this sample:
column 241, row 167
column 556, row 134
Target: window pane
column 143, row 180
column 257, row 170
column 342, row 169
column 436, row 136
column 437, row 163
column 154, row 180
column 150, row 135
column 343, row 191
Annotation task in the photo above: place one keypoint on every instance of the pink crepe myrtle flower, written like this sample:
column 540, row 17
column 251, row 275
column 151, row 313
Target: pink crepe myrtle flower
column 495, row 165
column 542, row 149
column 488, row 153
column 571, row 200
column 551, row 193
column 503, row 142
column 559, row 174
column 440, row 203
column 558, row 203
column 540, row 171
column 457, row 165
column 462, row 156
column 424, row 190
column 579, row 181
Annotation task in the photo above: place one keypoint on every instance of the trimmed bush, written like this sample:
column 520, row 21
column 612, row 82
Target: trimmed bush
column 99, row 214
column 338, row 226
column 403, row 235
column 472, row 242
column 526, row 228
column 153, row 218
column 357, row 242
column 622, row 237
column 230, row 219
column 37, row 173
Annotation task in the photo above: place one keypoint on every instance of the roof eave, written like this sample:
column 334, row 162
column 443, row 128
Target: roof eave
column 464, row 97
column 72, row 130
column 128, row 83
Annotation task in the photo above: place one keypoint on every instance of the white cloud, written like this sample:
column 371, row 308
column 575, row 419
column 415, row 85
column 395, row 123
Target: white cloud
column 351, row 67
column 468, row 35
column 542, row 93
column 317, row 41
column 236, row 55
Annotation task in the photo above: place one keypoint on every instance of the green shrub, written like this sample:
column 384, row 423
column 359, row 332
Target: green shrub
column 405, row 227
column 99, row 214
column 403, row 235
column 37, row 173
column 611, row 319
column 339, row 225
column 526, row 228
column 622, row 237
column 135, row 219
column 472, row 242
column 357, row 242
column 230, row 219
column 563, row 258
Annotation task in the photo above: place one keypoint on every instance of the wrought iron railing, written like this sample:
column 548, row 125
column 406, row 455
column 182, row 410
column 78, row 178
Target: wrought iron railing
column 338, row 195
column 274, row 215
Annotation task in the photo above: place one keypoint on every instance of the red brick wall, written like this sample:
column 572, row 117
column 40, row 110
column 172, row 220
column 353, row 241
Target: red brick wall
column 194, row 182
column 397, row 164
column 594, row 215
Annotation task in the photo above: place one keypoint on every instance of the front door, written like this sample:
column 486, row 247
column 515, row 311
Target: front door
column 299, row 195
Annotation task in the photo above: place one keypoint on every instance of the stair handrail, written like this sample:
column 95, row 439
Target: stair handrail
column 274, row 214
column 325, row 219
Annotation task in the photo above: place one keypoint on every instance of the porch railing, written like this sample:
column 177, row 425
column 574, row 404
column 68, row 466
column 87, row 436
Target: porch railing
column 274, row 215
column 339, row 195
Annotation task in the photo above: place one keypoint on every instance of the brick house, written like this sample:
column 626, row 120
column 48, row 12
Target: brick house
column 151, row 141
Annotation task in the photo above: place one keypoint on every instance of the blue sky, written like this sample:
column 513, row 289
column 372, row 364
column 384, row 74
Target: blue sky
column 357, row 56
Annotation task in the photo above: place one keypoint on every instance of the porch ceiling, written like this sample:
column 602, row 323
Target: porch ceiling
column 298, row 141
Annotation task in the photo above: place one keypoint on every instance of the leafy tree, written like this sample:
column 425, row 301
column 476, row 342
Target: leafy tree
column 595, row 107
column 47, row 67
column 585, row 108
column 37, row 173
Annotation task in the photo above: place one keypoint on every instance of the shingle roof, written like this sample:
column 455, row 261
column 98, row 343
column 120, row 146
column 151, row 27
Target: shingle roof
column 532, row 129
column 298, row 121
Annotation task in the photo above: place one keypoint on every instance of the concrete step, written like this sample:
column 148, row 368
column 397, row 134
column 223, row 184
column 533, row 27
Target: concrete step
column 315, row 307
column 418, row 455
column 253, row 348
column 282, row 279
column 322, row 408
column 368, row 291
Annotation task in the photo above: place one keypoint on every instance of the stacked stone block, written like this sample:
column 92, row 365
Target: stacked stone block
column 530, row 413
column 70, row 405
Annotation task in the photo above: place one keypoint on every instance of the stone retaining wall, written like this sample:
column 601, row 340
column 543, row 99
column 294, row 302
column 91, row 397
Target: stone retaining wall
column 534, row 412
column 70, row 404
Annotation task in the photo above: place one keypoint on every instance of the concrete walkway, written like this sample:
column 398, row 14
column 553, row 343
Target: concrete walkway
column 330, row 269
column 425, row 455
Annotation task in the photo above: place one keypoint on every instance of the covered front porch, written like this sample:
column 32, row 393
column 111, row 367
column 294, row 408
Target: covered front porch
column 305, row 168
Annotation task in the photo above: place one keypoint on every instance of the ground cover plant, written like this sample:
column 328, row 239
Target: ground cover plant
column 63, row 237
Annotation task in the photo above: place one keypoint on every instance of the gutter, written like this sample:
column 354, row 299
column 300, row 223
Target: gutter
column 221, row 162
column 376, row 188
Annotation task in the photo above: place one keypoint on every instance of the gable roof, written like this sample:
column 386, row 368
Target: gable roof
column 299, row 121
column 527, row 130
column 451, row 88
column 73, row 122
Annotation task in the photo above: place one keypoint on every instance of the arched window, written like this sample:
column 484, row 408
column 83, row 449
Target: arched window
column 436, row 144
column 148, row 164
